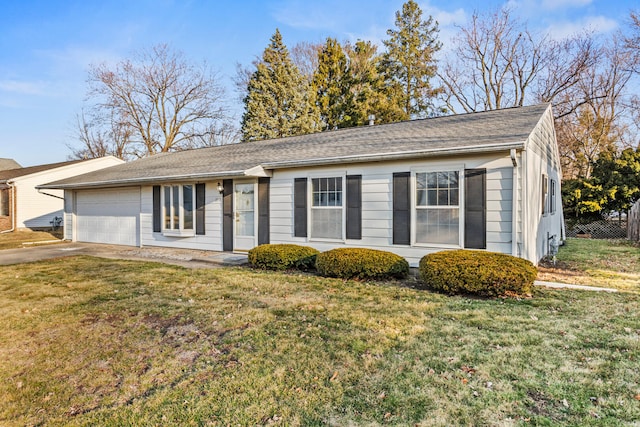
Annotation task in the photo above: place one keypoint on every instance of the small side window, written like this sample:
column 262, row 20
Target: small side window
column 545, row 192
column 552, row 196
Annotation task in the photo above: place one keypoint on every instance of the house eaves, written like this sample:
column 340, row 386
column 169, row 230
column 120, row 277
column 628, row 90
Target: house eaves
column 407, row 155
column 146, row 180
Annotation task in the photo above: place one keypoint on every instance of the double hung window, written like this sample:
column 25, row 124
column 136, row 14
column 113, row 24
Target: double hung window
column 326, row 208
column 437, row 215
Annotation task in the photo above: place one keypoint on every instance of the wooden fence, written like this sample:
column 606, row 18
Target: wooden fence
column 633, row 227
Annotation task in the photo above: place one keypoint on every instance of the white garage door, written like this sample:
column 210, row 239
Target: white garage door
column 108, row 216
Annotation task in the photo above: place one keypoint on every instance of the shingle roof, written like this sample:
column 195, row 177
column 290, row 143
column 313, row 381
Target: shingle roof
column 18, row 172
column 8, row 164
column 475, row 132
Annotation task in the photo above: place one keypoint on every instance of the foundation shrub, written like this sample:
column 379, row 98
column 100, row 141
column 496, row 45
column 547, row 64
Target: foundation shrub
column 487, row 274
column 283, row 257
column 361, row 263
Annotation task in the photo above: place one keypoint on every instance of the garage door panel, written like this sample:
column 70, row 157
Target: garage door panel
column 108, row 216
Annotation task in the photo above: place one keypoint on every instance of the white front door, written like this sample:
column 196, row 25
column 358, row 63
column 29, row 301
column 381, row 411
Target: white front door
column 245, row 216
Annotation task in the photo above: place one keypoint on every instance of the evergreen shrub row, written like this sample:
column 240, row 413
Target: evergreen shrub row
column 486, row 274
column 345, row 263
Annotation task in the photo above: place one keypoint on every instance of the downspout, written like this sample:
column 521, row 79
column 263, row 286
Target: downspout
column 11, row 208
column 514, row 203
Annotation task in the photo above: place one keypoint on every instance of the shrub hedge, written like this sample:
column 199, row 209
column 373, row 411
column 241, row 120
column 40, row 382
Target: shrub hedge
column 283, row 257
column 487, row 274
column 361, row 263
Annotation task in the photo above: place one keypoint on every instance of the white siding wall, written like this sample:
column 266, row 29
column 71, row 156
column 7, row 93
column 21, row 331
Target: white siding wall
column 377, row 203
column 35, row 209
column 69, row 214
column 541, row 157
column 211, row 240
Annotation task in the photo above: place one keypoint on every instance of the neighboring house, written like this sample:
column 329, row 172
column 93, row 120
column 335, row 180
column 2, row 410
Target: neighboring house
column 24, row 206
column 8, row 164
column 487, row 181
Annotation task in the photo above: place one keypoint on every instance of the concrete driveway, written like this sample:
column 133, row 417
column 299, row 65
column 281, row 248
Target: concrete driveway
column 182, row 257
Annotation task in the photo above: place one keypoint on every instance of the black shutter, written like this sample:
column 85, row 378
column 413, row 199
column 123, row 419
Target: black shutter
column 354, row 206
column 475, row 208
column 300, row 207
column 227, row 215
column 157, row 221
column 401, row 208
column 200, row 202
column 263, row 211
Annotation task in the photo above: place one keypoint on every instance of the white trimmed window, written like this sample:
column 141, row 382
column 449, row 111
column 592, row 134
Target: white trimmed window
column 437, row 214
column 178, row 209
column 326, row 208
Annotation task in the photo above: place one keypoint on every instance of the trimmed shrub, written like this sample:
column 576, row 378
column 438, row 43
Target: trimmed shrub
column 486, row 274
column 283, row 257
column 361, row 263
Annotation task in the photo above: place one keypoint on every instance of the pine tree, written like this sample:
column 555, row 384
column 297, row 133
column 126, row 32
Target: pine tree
column 332, row 87
column 278, row 101
column 367, row 86
column 408, row 63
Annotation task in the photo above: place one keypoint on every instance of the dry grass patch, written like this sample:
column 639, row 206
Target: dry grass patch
column 595, row 262
column 16, row 238
column 104, row 342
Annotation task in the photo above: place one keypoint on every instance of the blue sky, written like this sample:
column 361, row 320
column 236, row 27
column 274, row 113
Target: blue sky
column 47, row 46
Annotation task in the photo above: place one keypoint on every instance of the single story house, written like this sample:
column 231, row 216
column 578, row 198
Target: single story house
column 487, row 181
column 24, row 206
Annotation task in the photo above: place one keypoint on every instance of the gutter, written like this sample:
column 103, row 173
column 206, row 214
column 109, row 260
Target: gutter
column 11, row 208
column 403, row 155
column 50, row 195
column 137, row 181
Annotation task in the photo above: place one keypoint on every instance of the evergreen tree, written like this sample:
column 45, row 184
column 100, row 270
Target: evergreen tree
column 278, row 101
column 408, row 63
column 332, row 87
column 367, row 86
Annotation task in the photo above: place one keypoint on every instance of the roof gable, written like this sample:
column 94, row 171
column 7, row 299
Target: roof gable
column 6, row 175
column 6, row 164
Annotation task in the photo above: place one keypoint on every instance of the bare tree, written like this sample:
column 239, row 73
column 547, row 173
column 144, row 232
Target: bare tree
column 304, row 55
column 497, row 63
column 162, row 102
column 99, row 137
column 599, row 121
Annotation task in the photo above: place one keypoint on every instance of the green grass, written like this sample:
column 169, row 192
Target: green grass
column 103, row 342
column 595, row 262
column 17, row 238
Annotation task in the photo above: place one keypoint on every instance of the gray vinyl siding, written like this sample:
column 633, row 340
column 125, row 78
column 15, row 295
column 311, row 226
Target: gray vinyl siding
column 211, row 240
column 377, row 204
column 499, row 209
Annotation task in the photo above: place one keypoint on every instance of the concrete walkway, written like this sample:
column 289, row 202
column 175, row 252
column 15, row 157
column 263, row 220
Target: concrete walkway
column 556, row 285
column 181, row 257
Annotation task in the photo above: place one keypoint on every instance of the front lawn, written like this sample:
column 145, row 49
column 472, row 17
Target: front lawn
column 102, row 342
column 17, row 238
column 596, row 262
